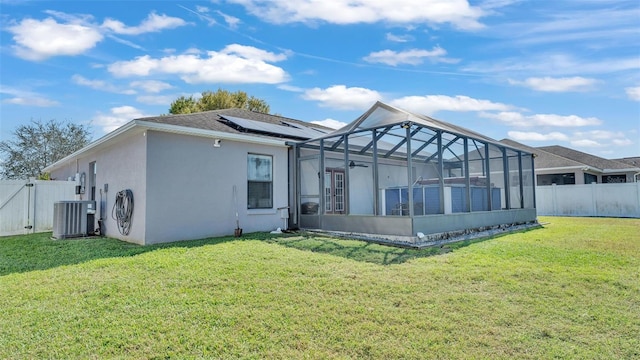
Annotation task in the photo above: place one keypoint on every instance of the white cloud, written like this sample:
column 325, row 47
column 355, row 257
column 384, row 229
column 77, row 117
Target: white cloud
column 550, row 120
column 633, row 93
column 601, row 134
column 153, row 23
column 151, row 86
column 621, row 142
column 412, row 56
column 31, row 101
column 231, row 21
column 563, row 84
column 118, row 116
column 250, row 52
column 535, row 136
column 615, row 138
column 330, row 123
column 291, row 88
column 554, row 64
column 38, row 40
column 26, row 98
column 202, row 9
column 435, row 12
column 342, row 97
column 399, row 38
column 100, row 85
column 234, row 64
column 431, row 104
column 156, row 99
column 585, row 143
column 41, row 39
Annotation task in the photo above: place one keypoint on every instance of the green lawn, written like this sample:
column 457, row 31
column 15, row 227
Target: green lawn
column 568, row 290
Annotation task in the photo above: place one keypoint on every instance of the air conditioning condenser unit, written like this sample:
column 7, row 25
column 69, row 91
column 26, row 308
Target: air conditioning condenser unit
column 73, row 218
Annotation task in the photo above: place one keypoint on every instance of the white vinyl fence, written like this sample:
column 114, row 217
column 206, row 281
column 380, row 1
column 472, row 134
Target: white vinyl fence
column 609, row 200
column 26, row 206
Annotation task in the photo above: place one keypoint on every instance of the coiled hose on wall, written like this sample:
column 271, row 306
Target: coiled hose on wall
column 122, row 211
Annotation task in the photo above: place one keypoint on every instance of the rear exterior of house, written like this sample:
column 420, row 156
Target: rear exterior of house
column 189, row 175
column 390, row 172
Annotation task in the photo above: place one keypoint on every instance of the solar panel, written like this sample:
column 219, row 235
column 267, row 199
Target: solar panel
column 288, row 130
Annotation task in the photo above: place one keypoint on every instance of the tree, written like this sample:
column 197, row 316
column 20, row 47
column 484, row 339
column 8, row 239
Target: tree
column 221, row 99
column 36, row 145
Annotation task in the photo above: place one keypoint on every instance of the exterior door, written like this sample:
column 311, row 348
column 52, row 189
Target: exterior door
column 334, row 191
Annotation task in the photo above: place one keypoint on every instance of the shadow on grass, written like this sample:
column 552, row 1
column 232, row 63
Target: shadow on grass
column 25, row 253
column 360, row 250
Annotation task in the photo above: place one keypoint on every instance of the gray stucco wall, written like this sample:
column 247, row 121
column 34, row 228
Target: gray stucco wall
column 121, row 166
column 190, row 187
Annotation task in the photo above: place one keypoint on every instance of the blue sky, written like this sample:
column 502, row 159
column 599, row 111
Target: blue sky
column 538, row 72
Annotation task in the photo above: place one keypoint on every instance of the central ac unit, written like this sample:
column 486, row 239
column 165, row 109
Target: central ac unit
column 73, row 218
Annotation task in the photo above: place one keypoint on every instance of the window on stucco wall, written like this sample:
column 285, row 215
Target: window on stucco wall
column 260, row 181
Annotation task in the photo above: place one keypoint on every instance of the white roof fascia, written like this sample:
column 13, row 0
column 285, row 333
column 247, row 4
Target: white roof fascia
column 176, row 129
column 583, row 168
column 609, row 171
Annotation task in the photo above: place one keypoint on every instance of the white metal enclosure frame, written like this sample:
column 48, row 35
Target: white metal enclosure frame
column 406, row 173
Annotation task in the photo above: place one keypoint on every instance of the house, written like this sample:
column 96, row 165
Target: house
column 190, row 174
column 563, row 166
column 389, row 172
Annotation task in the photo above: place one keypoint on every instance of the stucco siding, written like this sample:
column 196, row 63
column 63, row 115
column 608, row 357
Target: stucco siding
column 120, row 166
column 190, row 187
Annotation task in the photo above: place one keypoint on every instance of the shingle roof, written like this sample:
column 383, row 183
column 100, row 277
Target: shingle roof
column 633, row 161
column 214, row 120
column 544, row 159
column 584, row 158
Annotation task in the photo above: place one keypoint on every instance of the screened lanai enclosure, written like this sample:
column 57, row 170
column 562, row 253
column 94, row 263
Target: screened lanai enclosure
column 392, row 172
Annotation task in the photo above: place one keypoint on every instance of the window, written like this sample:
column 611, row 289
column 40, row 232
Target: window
column 590, row 178
column 558, row 179
column 614, row 179
column 260, row 181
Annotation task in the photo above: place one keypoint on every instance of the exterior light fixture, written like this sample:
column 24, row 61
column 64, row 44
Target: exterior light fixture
column 406, row 125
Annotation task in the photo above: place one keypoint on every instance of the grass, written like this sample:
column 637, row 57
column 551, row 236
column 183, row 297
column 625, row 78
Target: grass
column 568, row 290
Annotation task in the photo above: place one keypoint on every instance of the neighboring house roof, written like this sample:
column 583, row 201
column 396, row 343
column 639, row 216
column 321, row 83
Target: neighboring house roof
column 587, row 159
column 633, row 161
column 544, row 159
column 229, row 124
column 560, row 157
